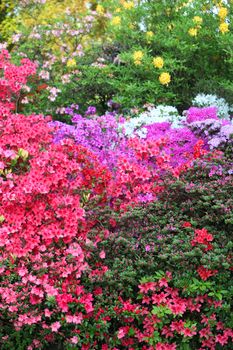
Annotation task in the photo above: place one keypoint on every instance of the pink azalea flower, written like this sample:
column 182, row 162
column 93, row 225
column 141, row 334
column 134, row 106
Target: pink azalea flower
column 102, row 254
column 55, row 326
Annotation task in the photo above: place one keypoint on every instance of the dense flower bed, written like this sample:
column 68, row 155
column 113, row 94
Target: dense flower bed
column 110, row 239
column 110, row 136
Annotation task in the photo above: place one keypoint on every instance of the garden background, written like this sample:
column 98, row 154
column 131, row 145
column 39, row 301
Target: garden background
column 116, row 171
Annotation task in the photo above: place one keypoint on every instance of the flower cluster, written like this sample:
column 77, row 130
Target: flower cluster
column 163, row 319
column 110, row 140
column 135, row 163
column 165, row 78
column 223, row 26
column 152, row 115
column 158, row 62
column 13, row 79
column 223, row 108
column 202, row 237
column 205, row 124
column 98, row 134
column 137, row 57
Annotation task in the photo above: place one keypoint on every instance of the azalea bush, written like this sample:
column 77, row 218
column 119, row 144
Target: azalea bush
column 20, row 18
column 43, row 229
column 162, row 52
column 179, row 248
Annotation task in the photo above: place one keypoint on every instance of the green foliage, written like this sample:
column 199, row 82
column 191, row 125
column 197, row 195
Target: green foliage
column 195, row 52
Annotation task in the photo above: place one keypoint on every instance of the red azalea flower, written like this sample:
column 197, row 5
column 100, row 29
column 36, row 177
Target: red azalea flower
column 187, row 224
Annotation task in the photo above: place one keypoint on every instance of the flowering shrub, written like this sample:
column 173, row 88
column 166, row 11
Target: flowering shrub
column 43, row 229
column 219, row 134
column 43, row 236
column 7, row 25
column 47, row 190
column 98, row 133
column 223, row 109
column 167, row 320
column 12, row 80
column 205, row 124
column 135, row 164
column 108, row 135
column 111, row 139
column 185, row 235
column 152, row 115
column 144, row 151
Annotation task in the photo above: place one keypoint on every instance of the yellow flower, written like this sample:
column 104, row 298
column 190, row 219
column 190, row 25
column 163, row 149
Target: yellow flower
column 118, row 9
column 192, row 31
column 197, row 20
column 223, row 27
column 116, row 20
column 158, row 62
column 71, row 63
column 137, row 55
column 137, row 62
column 222, row 13
column 149, row 35
column 128, row 5
column 100, row 9
column 164, row 78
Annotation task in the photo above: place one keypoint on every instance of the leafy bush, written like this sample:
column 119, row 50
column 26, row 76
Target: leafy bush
column 160, row 52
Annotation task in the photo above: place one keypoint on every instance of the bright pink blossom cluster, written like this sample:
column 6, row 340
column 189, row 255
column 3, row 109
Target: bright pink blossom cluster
column 12, row 79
